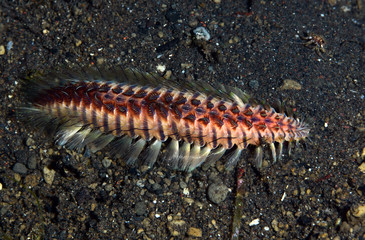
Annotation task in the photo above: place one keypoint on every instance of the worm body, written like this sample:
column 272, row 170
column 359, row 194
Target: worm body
column 143, row 117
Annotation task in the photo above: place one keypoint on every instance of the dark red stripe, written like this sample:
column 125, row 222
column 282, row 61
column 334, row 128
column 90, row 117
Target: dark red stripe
column 187, row 133
column 175, row 130
column 145, row 129
column 131, row 126
column 105, row 122
column 201, row 137
column 160, row 130
column 214, row 138
column 93, row 118
column 118, row 130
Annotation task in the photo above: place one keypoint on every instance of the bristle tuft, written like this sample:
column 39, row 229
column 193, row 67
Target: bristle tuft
column 134, row 152
column 259, row 154
column 152, row 152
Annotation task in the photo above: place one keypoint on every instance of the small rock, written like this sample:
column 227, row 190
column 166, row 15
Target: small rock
column 172, row 15
column 156, row 188
column 20, row 168
column 32, row 162
column 93, row 186
column 274, row 225
column 195, row 232
column 83, row 196
column 106, row 162
column 30, row 142
column 332, row 2
column 189, row 201
column 160, row 34
column 362, row 167
column 254, row 222
column 50, row 151
column 17, row 177
column 109, row 187
column 176, row 227
column 356, row 214
column 20, row 156
column 140, row 208
column 161, row 68
column 289, row 84
column 167, row 74
column 201, row 33
column 345, row 227
column 32, row 180
column 217, row 193
column 2, row 50
column 193, row 23
column 100, row 61
column 144, row 168
column 140, row 183
column 9, row 46
column 78, row 42
column 217, row 1
column 48, row 175
column 183, row 185
column 254, row 84
column 146, row 223
column 5, row 209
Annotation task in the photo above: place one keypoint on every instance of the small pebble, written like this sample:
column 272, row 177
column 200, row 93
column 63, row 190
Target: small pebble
column 195, row 232
column 140, row 208
column 156, row 187
column 109, row 187
column 193, row 23
column 254, row 84
column 17, row 177
column 217, row 193
column 9, row 46
column 2, row 49
column 183, row 185
column 189, row 201
column 176, row 226
column 172, row 15
column 161, row 68
column 357, row 211
column 362, row 167
column 78, row 42
column 289, row 84
column 30, row 142
column 167, row 74
column 32, row 180
column 93, row 186
column 48, row 175
column 274, row 225
column 160, row 34
column 201, row 33
column 106, row 162
column 254, row 222
column 140, row 183
column 20, row 168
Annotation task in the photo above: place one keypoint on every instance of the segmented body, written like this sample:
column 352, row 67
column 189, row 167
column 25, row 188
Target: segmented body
column 196, row 125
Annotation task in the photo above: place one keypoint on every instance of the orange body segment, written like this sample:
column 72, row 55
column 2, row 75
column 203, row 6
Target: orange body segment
column 162, row 113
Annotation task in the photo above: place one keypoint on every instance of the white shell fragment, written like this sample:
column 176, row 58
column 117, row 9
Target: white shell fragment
column 254, row 222
column 201, row 33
